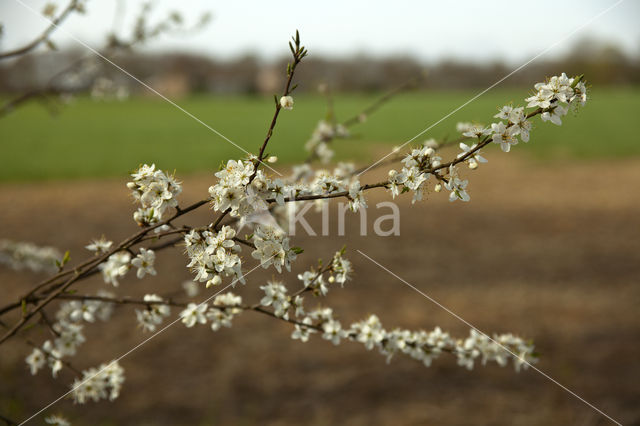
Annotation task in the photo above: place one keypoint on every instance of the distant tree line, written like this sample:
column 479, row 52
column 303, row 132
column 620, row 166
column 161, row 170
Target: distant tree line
column 182, row 73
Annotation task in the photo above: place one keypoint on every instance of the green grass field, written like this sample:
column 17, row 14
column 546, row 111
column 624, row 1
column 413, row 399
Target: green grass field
column 94, row 139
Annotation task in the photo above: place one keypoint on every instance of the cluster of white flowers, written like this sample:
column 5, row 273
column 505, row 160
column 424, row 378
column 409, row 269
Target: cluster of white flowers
column 155, row 191
column 68, row 329
column 115, row 267
column 553, row 97
column 23, row 255
column 230, row 191
column 234, row 193
column 243, row 191
column 556, row 95
column 325, row 132
column 275, row 295
column 272, row 248
column 499, row 349
column 420, row 345
column 213, row 254
column 304, row 181
column 153, row 315
column 507, row 134
column 415, row 172
column 103, row 382
column 221, row 313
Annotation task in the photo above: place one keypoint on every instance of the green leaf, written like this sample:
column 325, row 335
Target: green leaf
column 577, row 80
column 297, row 250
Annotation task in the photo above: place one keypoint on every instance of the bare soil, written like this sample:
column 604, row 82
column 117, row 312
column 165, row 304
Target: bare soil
column 550, row 252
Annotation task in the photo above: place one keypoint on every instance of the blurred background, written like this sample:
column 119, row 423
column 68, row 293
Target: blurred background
column 548, row 248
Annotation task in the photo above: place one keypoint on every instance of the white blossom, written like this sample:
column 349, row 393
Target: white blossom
column 144, row 262
column 520, row 123
column 341, row 268
column 301, row 332
column 100, row 245
column 356, row 197
column 369, row 332
column 332, row 330
column 103, row 382
column 504, row 112
column 36, row 360
column 298, row 306
column 315, row 281
column 213, row 254
column 476, row 131
column 114, row 267
column 276, row 296
column 82, row 310
column 272, row 248
column 194, row 314
column 53, row 358
column 503, row 135
column 457, row 186
column 555, row 115
column 475, row 158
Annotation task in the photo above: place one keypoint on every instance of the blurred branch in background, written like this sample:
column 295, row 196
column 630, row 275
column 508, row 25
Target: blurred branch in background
column 79, row 72
column 49, row 12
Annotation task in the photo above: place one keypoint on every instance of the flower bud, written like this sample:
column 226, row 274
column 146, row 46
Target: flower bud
column 216, row 280
column 438, row 187
column 272, row 159
column 286, row 102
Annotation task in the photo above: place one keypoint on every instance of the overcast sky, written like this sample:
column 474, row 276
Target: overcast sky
column 474, row 30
